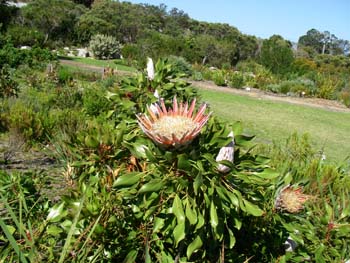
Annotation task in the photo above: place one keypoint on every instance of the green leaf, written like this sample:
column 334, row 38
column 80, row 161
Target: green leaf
column 54, row 230
column 214, row 221
column 232, row 238
column 190, row 214
column 195, row 245
column 318, row 254
column 233, row 198
column 91, row 142
column 158, row 224
column 178, row 209
column 252, row 208
column 127, row 179
column 243, row 140
column 179, row 232
column 183, row 162
column 198, row 181
column 152, row 186
column 237, row 128
column 130, row 257
column 200, row 222
column 56, row 213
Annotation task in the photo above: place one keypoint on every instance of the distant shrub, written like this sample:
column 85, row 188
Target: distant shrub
column 26, row 122
column 64, row 75
column 236, row 80
column 327, row 86
column 95, row 101
column 105, row 47
column 302, row 66
column 197, row 76
column 24, row 36
column 300, row 87
column 219, row 78
column 15, row 57
column 8, row 86
column 180, row 65
column 345, row 97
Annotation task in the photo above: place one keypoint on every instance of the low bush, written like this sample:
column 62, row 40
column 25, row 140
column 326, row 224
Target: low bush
column 104, row 47
column 8, row 86
column 219, row 78
column 345, row 97
column 236, row 80
column 296, row 87
column 180, row 65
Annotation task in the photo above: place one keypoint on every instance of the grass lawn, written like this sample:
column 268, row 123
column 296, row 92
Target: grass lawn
column 114, row 63
column 270, row 120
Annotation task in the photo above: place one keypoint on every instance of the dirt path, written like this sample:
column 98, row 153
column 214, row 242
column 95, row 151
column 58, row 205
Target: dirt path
column 331, row 105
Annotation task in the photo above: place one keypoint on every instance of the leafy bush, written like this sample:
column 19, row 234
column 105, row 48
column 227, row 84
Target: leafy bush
column 105, row 47
column 25, row 36
column 26, row 122
column 8, row 86
column 95, row 101
column 180, row 65
column 299, row 87
column 345, row 97
column 34, row 57
column 219, row 78
column 236, row 80
column 327, row 86
column 197, row 76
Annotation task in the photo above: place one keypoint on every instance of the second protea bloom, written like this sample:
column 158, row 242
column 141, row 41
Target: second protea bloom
column 174, row 127
column 291, row 199
column 226, row 153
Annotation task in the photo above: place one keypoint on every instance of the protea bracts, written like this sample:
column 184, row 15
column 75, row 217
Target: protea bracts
column 291, row 199
column 226, row 153
column 174, row 127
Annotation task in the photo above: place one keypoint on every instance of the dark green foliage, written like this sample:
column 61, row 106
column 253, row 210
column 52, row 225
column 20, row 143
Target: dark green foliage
column 236, row 80
column 34, row 57
column 21, row 35
column 276, row 54
column 180, row 65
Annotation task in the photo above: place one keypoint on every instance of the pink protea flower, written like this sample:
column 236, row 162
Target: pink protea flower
column 291, row 200
column 175, row 127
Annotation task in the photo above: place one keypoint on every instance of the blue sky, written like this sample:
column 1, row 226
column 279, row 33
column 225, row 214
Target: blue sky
column 263, row 18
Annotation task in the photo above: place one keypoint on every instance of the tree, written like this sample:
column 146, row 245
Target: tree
column 312, row 39
column 276, row 54
column 55, row 18
column 6, row 14
column 322, row 43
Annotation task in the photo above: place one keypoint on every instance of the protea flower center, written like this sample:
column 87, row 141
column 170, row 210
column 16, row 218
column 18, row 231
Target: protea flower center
column 174, row 127
column 291, row 200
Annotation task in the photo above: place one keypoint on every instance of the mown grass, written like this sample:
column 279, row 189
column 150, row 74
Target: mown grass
column 113, row 63
column 276, row 121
